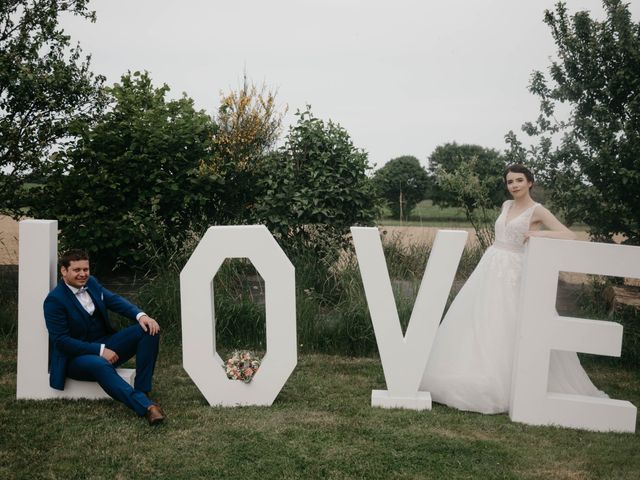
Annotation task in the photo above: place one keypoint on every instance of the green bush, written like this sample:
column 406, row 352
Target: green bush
column 133, row 178
column 8, row 302
column 315, row 188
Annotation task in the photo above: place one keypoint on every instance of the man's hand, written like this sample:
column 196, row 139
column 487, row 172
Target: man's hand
column 110, row 356
column 148, row 324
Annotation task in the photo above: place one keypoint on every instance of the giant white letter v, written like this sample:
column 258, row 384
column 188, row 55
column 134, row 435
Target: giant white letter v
column 404, row 358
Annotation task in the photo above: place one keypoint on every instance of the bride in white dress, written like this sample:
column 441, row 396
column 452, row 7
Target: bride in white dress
column 470, row 365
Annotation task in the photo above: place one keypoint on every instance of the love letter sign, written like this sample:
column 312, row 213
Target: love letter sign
column 541, row 329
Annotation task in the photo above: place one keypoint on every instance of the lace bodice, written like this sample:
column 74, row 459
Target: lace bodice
column 511, row 234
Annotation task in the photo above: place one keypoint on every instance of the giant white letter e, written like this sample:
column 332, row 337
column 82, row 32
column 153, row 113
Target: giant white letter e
column 543, row 330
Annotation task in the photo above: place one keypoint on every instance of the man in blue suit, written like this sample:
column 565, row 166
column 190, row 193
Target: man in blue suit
column 84, row 345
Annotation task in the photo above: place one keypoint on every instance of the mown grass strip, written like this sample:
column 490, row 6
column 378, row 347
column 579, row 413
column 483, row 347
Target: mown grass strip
column 320, row 426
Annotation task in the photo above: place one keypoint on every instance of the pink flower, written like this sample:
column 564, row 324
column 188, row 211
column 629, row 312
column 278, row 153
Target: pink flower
column 242, row 366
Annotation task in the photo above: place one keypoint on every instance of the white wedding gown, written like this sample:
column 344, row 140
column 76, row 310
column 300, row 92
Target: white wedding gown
column 471, row 360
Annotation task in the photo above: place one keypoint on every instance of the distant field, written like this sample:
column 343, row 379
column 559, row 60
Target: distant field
column 8, row 241
column 428, row 215
column 425, row 210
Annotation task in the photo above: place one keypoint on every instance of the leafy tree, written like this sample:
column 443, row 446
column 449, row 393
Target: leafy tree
column 132, row 183
column 402, row 182
column 316, row 187
column 45, row 90
column 249, row 125
column 488, row 166
column 594, row 171
column 474, row 194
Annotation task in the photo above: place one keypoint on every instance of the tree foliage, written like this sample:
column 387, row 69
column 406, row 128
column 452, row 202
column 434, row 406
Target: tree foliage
column 594, row 170
column 402, row 182
column 475, row 194
column 484, row 163
column 46, row 89
column 316, row 187
column 249, row 126
column 133, row 179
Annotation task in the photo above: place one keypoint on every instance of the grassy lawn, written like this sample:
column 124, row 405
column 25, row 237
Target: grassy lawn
column 320, row 426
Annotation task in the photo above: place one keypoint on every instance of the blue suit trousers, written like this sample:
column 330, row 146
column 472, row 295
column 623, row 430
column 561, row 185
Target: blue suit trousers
column 126, row 343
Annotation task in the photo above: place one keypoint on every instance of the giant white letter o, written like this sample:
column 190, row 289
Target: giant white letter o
column 200, row 358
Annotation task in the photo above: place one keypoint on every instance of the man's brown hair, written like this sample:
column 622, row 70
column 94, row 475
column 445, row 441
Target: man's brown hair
column 73, row 255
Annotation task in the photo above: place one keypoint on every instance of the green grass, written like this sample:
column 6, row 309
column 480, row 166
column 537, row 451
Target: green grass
column 320, row 426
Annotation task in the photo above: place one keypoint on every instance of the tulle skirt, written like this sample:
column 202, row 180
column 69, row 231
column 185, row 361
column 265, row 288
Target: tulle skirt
column 471, row 361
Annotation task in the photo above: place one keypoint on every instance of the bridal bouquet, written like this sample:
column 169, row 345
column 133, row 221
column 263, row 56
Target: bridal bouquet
column 242, row 366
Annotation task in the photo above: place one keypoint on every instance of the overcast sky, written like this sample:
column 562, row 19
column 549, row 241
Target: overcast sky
column 402, row 76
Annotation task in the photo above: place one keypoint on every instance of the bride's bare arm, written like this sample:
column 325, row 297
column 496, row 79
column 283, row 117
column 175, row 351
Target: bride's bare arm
column 554, row 227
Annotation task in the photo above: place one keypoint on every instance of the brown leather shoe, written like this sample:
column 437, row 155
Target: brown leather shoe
column 154, row 415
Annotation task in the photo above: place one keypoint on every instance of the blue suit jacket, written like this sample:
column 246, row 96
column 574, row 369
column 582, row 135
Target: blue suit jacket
column 68, row 324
